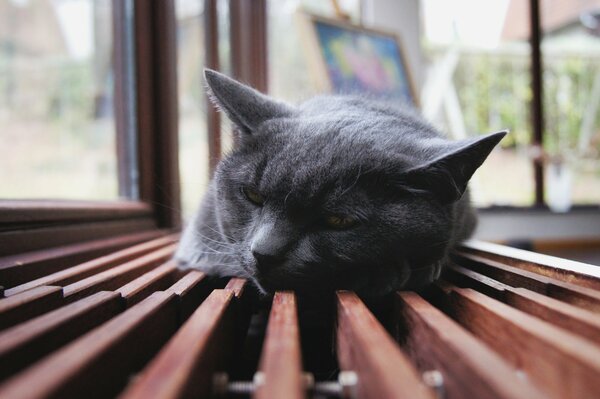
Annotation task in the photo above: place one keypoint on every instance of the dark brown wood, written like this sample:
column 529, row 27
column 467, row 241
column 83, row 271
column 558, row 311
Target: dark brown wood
column 26, row 305
column 550, row 266
column 27, row 342
column 191, row 289
column 55, row 264
column 537, row 99
column 118, row 276
column 571, row 293
column 25, row 212
column 363, row 346
column 577, row 320
column 155, row 280
column 211, row 51
column 281, row 362
column 157, row 115
column 248, row 36
column 470, row 368
column 560, row 363
column 34, row 239
column 98, row 364
column 184, row 368
column 464, row 277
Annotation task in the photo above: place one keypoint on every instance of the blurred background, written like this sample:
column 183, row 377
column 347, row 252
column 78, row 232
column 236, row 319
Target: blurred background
column 67, row 74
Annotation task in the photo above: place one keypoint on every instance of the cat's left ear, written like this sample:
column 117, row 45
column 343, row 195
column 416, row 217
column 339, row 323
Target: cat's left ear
column 246, row 107
column 447, row 175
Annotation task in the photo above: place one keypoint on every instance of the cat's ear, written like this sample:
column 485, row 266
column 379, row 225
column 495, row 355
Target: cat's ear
column 246, row 107
column 447, row 176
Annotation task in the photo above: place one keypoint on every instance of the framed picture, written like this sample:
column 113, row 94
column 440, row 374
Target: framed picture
column 347, row 58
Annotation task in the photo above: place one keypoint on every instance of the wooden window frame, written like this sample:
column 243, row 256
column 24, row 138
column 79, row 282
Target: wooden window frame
column 146, row 104
column 27, row 225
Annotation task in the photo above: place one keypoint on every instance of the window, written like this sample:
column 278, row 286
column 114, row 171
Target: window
column 479, row 82
column 571, row 88
column 57, row 120
column 194, row 140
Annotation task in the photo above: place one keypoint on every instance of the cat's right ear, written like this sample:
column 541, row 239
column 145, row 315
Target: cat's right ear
column 246, row 107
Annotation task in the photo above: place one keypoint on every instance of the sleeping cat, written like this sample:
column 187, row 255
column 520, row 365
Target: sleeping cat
column 339, row 192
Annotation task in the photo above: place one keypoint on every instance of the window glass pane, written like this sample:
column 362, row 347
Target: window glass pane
column 571, row 62
column 478, row 82
column 193, row 137
column 57, row 124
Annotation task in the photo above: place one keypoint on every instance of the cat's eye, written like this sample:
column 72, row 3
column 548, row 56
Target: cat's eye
column 253, row 196
column 340, row 221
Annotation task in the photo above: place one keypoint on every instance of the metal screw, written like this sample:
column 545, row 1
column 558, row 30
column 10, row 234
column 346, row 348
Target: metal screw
column 435, row 380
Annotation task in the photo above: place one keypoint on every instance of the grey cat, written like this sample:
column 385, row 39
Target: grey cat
column 339, row 192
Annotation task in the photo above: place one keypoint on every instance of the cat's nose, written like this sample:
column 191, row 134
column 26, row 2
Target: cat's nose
column 266, row 262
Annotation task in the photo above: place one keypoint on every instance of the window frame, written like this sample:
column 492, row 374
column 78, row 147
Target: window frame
column 27, row 225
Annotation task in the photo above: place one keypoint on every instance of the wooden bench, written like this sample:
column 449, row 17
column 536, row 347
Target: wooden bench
column 116, row 318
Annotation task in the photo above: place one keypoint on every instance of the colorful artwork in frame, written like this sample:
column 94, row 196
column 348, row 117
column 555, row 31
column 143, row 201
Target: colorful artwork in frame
column 359, row 60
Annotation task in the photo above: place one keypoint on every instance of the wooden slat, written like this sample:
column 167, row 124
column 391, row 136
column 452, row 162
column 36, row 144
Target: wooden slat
column 577, row 320
column 363, row 346
column 118, row 276
column 155, row 280
column 470, row 369
column 18, row 269
column 571, row 293
column 191, row 290
column 237, row 285
column 98, row 364
column 558, row 362
column 27, row 342
column 26, row 305
column 564, row 270
column 464, row 277
column 280, row 361
column 97, row 265
column 34, row 239
column 185, row 366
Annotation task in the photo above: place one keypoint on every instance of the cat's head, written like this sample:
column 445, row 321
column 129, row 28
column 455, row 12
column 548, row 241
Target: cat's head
column 338, row 192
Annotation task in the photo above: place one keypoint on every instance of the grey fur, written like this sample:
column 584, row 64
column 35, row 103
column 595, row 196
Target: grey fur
column 383, row 165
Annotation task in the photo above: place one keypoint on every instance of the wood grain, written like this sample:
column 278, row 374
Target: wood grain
column 470, row 368
column 117, row 276
column 94, row 266
column 98, row 364
column 34, row 239
column 155, row 280
column 191, row 290
column 464, row 277
column 515, row 277
column 577, row 320
column 27, row 342
column 280, row 361
column 18, row 269
column 560, row 363
column 363, row 346
column 185, row 366
column 564, row 270
column 26, row 305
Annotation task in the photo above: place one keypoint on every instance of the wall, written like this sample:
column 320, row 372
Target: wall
column 401, row 17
